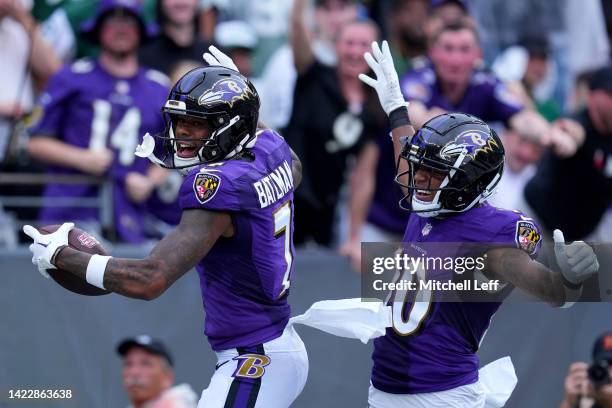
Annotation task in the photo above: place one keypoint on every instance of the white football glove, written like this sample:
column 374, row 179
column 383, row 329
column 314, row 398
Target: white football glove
column 216, row 57
column 386, row 83
column 46, row 245
column 576, row 260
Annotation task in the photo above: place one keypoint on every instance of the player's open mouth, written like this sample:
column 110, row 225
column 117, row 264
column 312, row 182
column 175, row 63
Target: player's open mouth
column 424, row 195
column 187, row 149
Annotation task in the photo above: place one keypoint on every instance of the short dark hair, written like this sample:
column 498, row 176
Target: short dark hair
column 322, row 3
column 396, row 5
column 455, row 26
column 601, row 78
column 536, row 46
column 437, row 3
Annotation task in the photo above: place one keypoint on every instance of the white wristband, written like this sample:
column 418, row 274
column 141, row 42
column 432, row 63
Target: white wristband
column 95, row 270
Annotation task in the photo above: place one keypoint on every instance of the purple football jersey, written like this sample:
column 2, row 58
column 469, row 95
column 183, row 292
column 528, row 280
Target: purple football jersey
column 245, row 279
column 87, row 107
column 437, row 351
column 486, row 96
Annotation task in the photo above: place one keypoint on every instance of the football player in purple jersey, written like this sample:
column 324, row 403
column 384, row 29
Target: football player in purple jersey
column 447, row 170
column 236, row 230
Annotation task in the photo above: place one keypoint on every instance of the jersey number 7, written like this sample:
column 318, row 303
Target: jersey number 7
column 282, row 227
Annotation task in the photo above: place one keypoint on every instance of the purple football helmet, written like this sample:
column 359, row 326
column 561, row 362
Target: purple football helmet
column 464, row 151
column 224, row 100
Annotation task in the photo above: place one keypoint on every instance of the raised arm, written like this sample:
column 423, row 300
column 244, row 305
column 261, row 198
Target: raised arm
column 390, row 96
column 43, row 59
column 146, row 278
column 564, row 136
column 208, row 21
column 299, row 38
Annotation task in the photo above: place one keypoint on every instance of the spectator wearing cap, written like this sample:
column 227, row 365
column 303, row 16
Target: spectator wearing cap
column 238, row 40
column 94, row 113
column 148, row 375
column 591, row 386
column 62, row 20
column 178, row 40
column 572, row 188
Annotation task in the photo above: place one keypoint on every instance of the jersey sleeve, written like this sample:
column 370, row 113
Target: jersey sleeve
column 209, row 189
column 503, row 104
column 52, row 105
column 521, row 232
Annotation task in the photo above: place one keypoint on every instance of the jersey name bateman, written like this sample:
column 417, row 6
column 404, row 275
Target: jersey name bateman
column 275, row 185
column 437, row 285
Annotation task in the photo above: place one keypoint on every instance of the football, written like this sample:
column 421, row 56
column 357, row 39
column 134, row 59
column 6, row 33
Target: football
column 82, row 241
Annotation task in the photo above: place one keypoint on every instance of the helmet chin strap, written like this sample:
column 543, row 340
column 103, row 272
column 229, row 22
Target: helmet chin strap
column 485, row 194
column 246, row 143
column 426, row 209
column 490, row 188
column 145, row 150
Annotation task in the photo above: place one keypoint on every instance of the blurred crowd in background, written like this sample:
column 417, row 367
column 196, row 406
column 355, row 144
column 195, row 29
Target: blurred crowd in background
column 82, row 81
